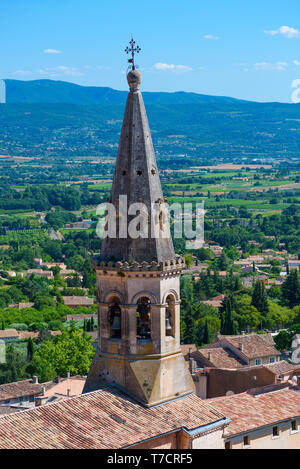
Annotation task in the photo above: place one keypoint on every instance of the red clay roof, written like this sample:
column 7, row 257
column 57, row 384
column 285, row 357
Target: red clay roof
column 248, row 412
column 187, row 349
column 19, row 389
column 103, row 419
column 217, row 357
column 280, row 368
column 254, row 345
column 7, row 333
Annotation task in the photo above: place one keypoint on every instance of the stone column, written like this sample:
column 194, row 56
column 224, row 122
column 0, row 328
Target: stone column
column 131, row 329
column 158, row 328
column 103, row 325
column 177, row 324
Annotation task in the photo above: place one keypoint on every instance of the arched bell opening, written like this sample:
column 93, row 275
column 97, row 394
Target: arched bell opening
column 143, row 318
column 170, row 316
column 114, row 318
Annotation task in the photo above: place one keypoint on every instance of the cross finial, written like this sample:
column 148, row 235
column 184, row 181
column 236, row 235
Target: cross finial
column 132, row 49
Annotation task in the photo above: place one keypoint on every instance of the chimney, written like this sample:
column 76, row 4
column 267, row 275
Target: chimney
column 68, row 392
column 209, row 356
column 43, row 390
column 241, row 346
column 193, row 365
column 35, row 380
column 68, row 375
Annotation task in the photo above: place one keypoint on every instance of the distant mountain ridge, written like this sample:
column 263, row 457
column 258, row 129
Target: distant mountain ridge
column 46, row 117
column 61, row 92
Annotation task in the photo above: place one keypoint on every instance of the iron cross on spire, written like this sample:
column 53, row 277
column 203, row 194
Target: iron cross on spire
column 132, row 49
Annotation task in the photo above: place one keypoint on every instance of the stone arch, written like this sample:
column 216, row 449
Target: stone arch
column 171, row 293
column 170, row 314
column 114, row 313
column 142, row 293
column 112, row 294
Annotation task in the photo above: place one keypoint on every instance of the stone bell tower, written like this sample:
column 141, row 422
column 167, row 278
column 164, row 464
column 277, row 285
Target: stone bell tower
column 138, row 277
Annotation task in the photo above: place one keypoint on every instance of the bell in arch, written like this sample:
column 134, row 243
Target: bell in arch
column 115, row 318
column 116, row 325
column 168, row 321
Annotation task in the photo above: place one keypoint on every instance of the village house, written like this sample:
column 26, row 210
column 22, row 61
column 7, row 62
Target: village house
column 9, row 334
column 60, row 388
column 40, row 273
column 223, row 379
column 75, row 301
column 29, row 393
column 238, row 350
column 268, row 419
column 216, row 301
column 49, row 265
column 19, row 395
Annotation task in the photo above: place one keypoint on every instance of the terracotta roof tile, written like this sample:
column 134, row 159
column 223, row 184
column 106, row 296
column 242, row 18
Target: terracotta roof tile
column 19, row 389
column 248, row 412
column 280, row 368
column 217, row 357
column 187, row 349
column 92, row 420
column 254, row 345
column 7, row 333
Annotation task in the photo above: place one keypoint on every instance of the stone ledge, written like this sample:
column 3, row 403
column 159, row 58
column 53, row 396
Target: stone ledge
column 173, row 264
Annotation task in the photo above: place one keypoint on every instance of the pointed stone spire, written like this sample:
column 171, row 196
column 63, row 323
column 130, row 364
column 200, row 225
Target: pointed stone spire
column 136, row 177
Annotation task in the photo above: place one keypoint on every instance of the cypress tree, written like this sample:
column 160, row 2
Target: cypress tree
column 291, row 289
column 30, row 349
column 206, row 334
column 259, row 297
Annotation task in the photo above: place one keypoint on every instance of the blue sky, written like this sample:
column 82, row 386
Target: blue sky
column 240, row 48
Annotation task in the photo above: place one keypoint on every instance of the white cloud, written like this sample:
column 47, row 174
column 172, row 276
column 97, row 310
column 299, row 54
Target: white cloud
column 171, row 67
column 211, row 36
column 266, row 66
column 60, row 70
column 296, row 83
column 286, row 31
column 296, row 62
column 52, row 51
column 22, row 72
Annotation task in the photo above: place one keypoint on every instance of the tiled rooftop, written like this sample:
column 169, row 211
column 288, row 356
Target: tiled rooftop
column 19, row 389
column 248, row 412
column 254, row 345
column 7, row 333
column 187, row 349
column 217, row 357
column 103, row 419
column 281, row 368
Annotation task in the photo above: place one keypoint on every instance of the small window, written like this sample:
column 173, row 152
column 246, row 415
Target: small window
column 294, row 426
column 276, row 431
column 228, row 445
column 152, row 171
column 272, row 359
column 258, row 361
column 124, row 173
column 246, row 440
column 139, row 173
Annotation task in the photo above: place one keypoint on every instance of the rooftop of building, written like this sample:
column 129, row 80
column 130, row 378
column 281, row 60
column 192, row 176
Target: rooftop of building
column 252, row 345
column 217, row 357
column 248, row 412
column 103, row 419
column 17, row 389
column 8, row 333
